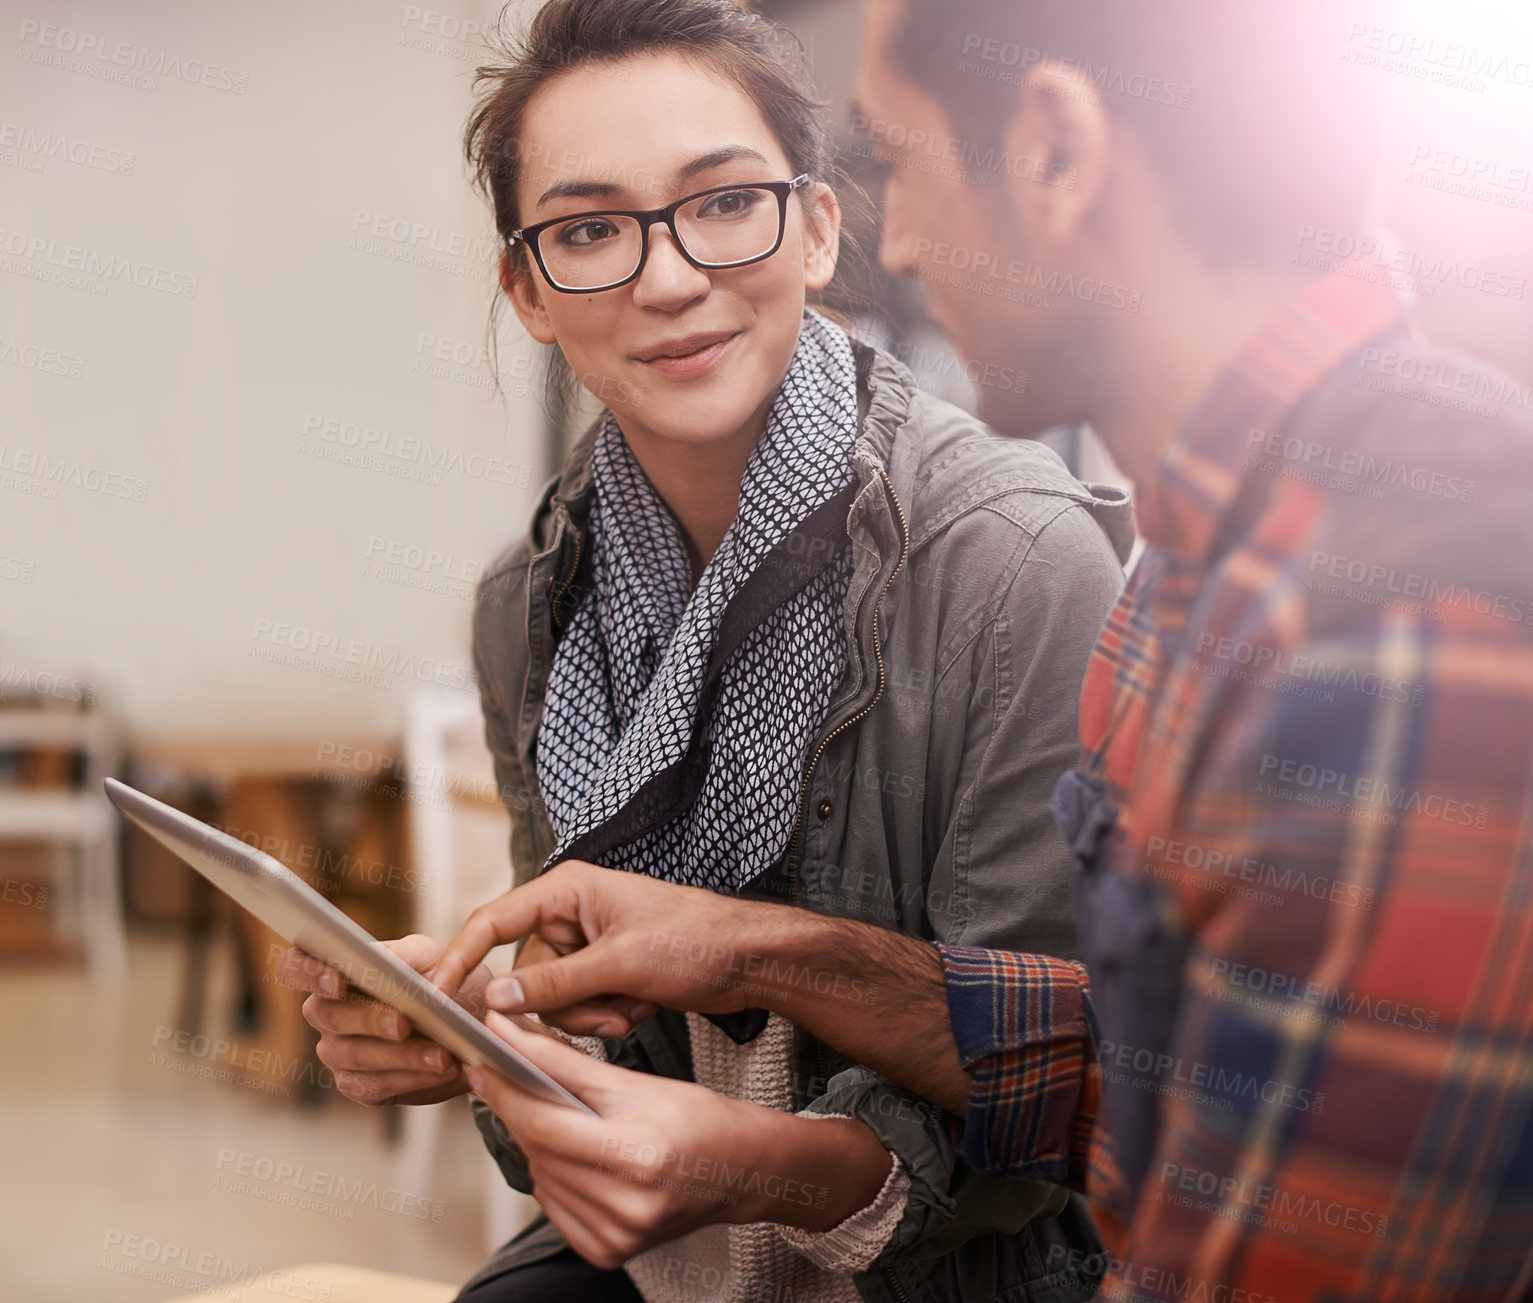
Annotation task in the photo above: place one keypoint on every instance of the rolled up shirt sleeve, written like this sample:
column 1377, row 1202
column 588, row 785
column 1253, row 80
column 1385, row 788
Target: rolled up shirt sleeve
column 1026, row 1032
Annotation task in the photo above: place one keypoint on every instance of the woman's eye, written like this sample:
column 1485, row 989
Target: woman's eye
column 732, row 203
column 587, row 232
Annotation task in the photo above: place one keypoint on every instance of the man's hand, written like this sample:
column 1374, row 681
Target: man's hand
column 372, row 1049
column 605, row 948
column 664, row 1157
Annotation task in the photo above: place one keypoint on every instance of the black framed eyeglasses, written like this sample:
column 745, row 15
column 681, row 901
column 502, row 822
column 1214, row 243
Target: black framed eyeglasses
column 726, row 226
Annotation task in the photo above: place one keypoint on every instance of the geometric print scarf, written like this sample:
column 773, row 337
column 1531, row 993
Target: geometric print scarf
column 677, row 721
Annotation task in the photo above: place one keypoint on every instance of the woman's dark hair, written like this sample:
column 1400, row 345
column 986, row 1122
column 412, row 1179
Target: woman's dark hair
column 763, row 60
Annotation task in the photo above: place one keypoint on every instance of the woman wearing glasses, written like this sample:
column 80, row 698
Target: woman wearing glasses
column 783, row 625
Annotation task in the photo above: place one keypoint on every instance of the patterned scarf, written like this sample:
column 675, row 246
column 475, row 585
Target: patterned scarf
column 677, row 722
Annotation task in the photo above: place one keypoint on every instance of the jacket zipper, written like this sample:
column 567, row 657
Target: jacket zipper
column 569, row 579
column 878, row 654
column 894, row 1281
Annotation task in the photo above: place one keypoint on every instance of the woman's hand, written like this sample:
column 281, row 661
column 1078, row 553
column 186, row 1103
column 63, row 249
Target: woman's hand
column 372, row 1049
column 664, row 1157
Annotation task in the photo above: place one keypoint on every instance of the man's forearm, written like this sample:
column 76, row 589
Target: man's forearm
column 873, row 995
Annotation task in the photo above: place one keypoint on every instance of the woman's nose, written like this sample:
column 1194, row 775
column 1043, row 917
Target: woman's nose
column 668, row 280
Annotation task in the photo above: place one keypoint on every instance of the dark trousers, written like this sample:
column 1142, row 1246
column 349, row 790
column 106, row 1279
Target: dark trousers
column 564, row 1278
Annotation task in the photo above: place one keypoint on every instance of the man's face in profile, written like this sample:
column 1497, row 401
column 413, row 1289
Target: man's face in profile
column 952, row 221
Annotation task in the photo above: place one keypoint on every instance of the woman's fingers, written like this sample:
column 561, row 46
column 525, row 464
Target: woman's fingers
column 368, row 1054
column 302, row 972
column 355, row 1016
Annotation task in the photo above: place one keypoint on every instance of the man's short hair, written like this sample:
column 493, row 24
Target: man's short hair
column 1249, row 109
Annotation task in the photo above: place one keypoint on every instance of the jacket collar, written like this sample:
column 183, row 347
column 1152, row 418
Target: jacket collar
column 1204, row 471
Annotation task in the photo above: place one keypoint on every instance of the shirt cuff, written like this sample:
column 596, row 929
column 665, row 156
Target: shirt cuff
column 854, row 1244
column 1026, row 1032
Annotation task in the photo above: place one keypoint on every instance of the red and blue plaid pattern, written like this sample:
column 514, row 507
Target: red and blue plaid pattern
column 1313, row 711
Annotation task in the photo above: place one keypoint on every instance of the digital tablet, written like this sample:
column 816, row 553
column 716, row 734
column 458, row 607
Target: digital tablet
column 294, row 910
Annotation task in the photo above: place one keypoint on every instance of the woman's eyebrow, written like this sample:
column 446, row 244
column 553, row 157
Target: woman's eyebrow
column 702, row 163
column 717, row 158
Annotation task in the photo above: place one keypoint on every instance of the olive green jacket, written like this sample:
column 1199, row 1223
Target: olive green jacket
column 982, row 575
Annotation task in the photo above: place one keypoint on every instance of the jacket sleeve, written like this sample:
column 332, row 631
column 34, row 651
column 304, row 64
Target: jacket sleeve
column 1000, row 877
column 500, row 608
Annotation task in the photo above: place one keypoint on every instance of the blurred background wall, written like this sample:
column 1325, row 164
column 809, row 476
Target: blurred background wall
column 247, row 418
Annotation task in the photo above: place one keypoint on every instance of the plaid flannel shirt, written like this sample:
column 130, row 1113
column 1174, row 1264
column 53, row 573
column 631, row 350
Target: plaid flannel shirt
column 1304, row 896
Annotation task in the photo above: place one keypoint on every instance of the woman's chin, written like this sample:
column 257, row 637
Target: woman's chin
column 689, row 421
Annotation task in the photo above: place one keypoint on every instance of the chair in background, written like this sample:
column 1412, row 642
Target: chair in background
column 57, row 759
column 459, row 837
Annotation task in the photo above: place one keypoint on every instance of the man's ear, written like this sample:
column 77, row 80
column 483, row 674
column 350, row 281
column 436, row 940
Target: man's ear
column 526, row 292
column 1059, row 140
column 822, row 234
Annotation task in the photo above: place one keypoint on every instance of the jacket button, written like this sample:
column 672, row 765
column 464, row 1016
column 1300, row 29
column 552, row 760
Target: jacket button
column 824, row 809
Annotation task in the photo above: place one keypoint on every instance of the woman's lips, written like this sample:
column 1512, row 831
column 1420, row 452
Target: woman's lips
column 691, row 365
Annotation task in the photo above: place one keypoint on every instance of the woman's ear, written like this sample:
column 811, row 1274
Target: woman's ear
column 822, row 234
column 525, row 291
